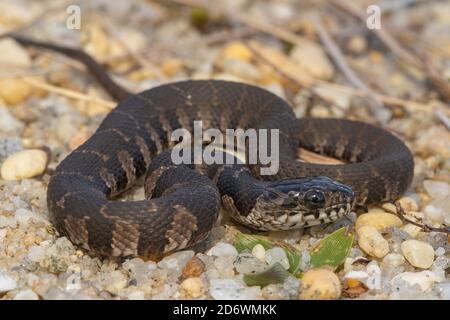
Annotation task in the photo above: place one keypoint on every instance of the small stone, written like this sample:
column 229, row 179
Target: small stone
column 259, row 252
column 439, row 251
column 418, row 253
column 193, row 287
column 175, row 263
column 357, row 44
column 136, row 295
column 223, row 249
column 6, row 282
column 313, row 60
column 320, row 284
column 233, row 289
column 374, row 279
column 193, row 268
column 437, row 189
column 14, row 90
column 26, row 294
column 247, row 263
column 236, row 50
column 372, row 242
column 379, row 220
column 277, row 254
column 24, row 164
column 9, row 123
column 408, row 204
column 393, row 260
column 13, row 54
column 438, row 211
column 424, row 279
column 8, row 146
column 412, row 230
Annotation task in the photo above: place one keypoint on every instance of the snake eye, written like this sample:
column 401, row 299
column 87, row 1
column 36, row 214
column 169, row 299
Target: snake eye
column 314, row 198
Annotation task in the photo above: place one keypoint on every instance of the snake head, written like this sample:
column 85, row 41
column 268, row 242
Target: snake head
column 304, row 202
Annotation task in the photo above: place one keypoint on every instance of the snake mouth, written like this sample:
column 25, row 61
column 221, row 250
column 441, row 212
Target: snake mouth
column 300, row 202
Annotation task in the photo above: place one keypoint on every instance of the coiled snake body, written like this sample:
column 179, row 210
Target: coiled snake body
column 183, row 204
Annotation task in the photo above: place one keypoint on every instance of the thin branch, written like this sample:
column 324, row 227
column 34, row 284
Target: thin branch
column 400, row 212
column 338, row 57
column 444, row 119
column 382, row 33
column 69, row 93
column 135, row 55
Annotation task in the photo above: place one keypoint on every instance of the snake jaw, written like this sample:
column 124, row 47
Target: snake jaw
column 300, row 202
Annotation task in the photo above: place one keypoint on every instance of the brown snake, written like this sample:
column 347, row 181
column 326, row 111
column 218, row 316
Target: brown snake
column 182, row 204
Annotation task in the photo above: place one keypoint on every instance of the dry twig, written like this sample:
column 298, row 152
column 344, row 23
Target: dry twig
column 69, row 93
column 336, row 54
column 400, row 212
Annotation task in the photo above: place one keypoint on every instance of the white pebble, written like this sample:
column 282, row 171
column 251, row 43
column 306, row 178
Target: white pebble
column 6, row 282
column 372, row 242
column 24, row 164
column 437, row 189
column 439, row 251
column 176, row 261
column 233, row 289
column 259, row 252
column 246, row 263
column 374, row 272
column 418, row 253
column 223, row 249
column 424, row 279
column 26, row 294
column 277, row 254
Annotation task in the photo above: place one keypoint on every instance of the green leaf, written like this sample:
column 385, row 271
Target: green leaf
column 274, row 274
column 332, row 250
column 246, row 242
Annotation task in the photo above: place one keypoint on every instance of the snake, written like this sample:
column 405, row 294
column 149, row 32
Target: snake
column 183, row 201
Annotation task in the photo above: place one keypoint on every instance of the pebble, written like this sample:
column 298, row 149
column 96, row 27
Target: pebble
column 374, row 280
column 247, row 263
column 176, row 261
column 259, row 252
column 236, row 50
column 437, row 189
column 438, row 211
column 393, row 260
column 313, row 60
column 24, row 164
column 9, row 123
column 14, row 91
column 320, row 284
column 233, row 289
column 223, row 249
column 378, row 220
column 444, row 290
column 424, row 279
column 193, row 287
column 277, row 254
column 26, row 294
column 6, row 282
column 9, row 146
column 372, row 242
column 418, row 253
column 412, row 230
column 193, row 268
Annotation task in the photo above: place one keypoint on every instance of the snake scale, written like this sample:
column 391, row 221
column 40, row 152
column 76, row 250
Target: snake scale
column 182, row 205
